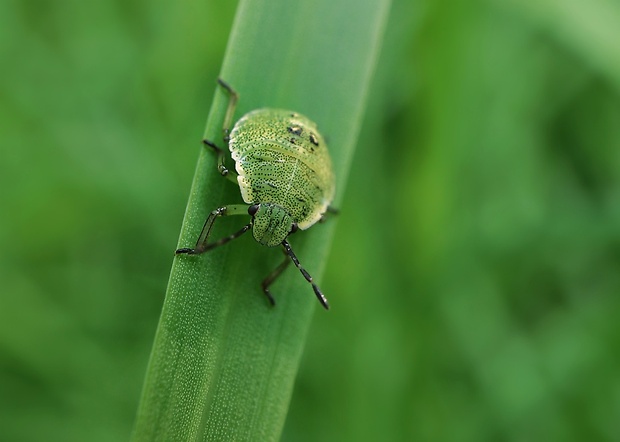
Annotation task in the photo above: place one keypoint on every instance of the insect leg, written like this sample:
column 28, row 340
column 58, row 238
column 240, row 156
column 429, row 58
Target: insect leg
column 230, row 110
column 331, row 211
column 321, row 297
column 221, row 158
column 272, row 277
column 202, row 244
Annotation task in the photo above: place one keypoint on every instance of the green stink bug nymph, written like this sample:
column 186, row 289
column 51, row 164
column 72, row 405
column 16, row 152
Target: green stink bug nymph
column 285, row 176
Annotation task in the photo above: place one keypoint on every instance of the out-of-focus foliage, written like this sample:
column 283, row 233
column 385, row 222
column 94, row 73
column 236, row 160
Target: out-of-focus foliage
column 475, row 276
column 477, row 265
column 102, row 108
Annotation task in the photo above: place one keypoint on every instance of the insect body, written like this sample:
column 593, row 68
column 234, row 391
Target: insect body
column 284, row 173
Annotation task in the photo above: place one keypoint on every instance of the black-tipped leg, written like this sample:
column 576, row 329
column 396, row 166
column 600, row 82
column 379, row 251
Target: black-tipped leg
column 221, row 157
column 221, row 161
column 221, row 153
column 202, row 244
column 233, row 96
column 331, row 211
column 317, row 291
column 272, row 277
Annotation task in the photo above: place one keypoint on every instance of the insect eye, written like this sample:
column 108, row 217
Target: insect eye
column 294, row 227
column 253, row 209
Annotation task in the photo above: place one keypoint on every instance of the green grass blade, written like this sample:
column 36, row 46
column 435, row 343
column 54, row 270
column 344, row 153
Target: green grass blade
column 224, row 362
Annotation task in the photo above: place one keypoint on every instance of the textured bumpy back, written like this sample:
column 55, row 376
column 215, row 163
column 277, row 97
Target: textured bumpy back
column 281, row 158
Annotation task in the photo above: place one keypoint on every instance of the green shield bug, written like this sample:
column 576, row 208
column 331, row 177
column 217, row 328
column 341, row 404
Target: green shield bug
column 285, row 176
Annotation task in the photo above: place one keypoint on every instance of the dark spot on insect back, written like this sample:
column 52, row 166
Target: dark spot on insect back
column 314, row 140
column 297, row 130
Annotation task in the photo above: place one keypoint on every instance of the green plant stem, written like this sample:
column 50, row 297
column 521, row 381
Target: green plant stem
column 224, row 362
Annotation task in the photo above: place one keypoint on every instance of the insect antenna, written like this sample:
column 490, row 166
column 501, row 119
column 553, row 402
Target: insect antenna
column 317, row 291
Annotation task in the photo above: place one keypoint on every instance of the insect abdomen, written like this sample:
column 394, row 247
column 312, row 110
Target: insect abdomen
column 281, row 158
column 270, row 176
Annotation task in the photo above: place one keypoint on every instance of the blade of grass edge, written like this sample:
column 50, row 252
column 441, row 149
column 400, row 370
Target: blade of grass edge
column 223, row 363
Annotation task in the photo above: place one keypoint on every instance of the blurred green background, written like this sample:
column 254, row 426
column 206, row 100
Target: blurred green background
column 475, row 274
